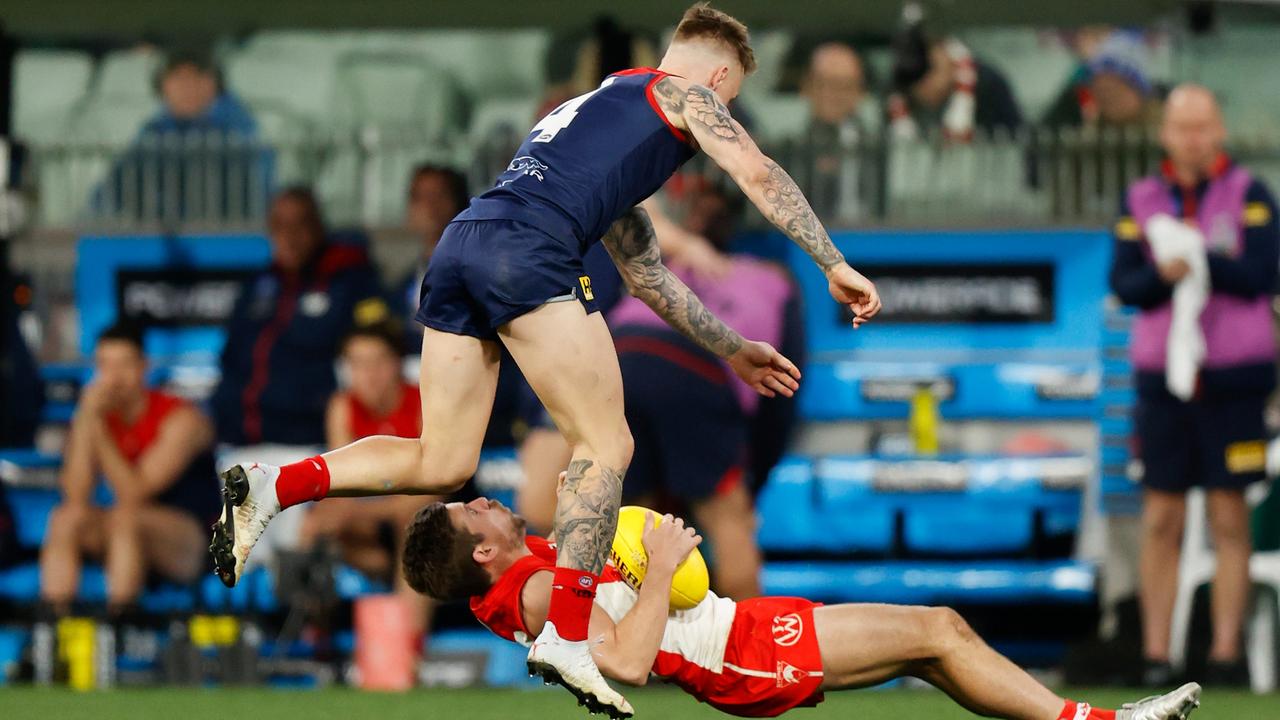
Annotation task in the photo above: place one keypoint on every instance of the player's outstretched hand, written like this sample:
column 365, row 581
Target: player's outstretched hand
column 766, row 370
column 849, row 287
column 669, row 543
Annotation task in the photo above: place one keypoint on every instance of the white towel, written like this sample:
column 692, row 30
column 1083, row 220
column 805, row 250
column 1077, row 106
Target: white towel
column 1171, row 239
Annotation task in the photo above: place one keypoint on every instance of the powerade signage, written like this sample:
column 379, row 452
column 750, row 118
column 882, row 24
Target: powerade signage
column 177, row 298
column 987, row 295
column 993, row 323
column 181, row 288
column 962, row 293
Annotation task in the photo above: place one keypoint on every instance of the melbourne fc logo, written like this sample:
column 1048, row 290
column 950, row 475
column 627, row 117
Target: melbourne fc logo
column 787, row 629
column 526, row 165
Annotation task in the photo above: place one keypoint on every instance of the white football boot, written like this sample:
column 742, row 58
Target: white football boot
column 1176, row 705
column 569, row 663
column 248, row 503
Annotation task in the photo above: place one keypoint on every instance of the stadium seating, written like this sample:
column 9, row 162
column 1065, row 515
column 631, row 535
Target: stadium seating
column 47, row 85
column 128, row 74
column 994, row 582
column 952, row 506
column 778, row 117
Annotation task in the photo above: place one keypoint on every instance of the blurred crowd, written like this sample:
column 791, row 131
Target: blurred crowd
column 929, row 86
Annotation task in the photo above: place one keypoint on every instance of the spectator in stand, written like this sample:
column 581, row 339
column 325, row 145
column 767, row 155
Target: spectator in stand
column 283, row 336
column 1114, row 88
column 196, row 108
column 940, row 84
column 377, row 401
column 138, row 485
column 284, row 333
column 835, row 87
column 693, row 424
column 1196, row 252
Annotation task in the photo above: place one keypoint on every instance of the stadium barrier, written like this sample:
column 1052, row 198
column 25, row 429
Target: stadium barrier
column 186, row 182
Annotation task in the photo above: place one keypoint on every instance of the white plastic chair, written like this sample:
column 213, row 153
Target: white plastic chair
column 1197, row 568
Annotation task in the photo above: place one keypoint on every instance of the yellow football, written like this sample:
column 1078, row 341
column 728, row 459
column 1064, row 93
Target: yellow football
column 691, row 582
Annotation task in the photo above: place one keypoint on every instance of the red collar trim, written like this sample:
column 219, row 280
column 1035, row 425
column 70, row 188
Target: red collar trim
column 646, row 71
column 1220, row 165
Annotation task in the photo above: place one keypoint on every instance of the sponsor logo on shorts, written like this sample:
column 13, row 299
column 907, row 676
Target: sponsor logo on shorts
column 789, row 674
column 1246, row 457
column 787, row 629
column 586, row 287
column 1082, row 711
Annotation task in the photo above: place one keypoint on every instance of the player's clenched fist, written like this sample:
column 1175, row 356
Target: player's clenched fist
column 850, row 287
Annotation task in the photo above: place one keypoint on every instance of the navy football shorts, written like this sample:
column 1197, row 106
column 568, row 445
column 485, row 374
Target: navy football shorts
column 484, row 273
column 1215, row 443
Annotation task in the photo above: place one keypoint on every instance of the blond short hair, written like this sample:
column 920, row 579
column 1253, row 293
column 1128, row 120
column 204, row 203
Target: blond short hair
column 703, row 22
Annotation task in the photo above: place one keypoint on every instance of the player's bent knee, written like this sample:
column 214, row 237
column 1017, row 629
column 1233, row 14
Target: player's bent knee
column 949, row 627
column 612, row 450
column 442, row 478
column 65, row 521
column 120, row 520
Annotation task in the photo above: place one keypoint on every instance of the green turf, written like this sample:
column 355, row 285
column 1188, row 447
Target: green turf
column 655, row 703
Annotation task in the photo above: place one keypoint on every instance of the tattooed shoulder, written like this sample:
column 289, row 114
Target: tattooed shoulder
column 670, row 95
column 702, row 107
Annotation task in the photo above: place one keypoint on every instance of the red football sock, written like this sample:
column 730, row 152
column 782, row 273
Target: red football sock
column 1083, row 711
column 303, row 481
column 572, row 592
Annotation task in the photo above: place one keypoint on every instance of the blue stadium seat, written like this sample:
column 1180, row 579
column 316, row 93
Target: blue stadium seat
column 1060, row 511
column 506, row 664
column 934, row 582
column 253, row 592
column 949, row 506
column 786, row 509
column 31, row 508
column 12, row 641
column 21, row 584
column 351, row 583
column 855, row 518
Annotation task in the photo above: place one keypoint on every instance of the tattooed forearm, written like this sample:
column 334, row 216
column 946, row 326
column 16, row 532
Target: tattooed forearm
column 776, row 195
column 787, row 208
column 587, row 515
column 634, row 249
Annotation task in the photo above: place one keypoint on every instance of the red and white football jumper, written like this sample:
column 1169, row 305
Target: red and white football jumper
column 756, row 658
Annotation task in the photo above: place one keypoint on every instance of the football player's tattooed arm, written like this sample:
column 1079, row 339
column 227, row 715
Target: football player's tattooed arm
column 624, row 651
column 634, row 249
column 768, row 186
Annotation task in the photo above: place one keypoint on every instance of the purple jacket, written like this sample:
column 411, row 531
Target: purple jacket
column 1238, row 330
column 750, row 300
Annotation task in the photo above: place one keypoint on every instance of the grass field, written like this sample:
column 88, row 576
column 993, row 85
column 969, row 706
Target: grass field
column 655, row 703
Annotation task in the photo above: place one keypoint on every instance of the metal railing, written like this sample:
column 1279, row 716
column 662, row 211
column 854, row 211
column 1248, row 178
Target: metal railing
column 215, row 182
